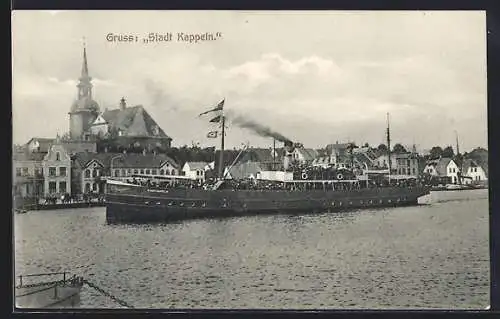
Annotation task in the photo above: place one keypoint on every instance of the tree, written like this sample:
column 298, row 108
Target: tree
column 367, row 145
column 398, row 148
column 448, row 152
column 382, row 148
column 436, row 152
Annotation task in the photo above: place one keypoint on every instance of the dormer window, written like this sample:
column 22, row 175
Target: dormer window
column 58, row 156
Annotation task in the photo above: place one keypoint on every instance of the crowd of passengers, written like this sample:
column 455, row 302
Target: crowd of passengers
column 252, row 184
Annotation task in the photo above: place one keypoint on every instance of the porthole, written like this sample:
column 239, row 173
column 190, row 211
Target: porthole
column 158, row 203
column 370, row 202
column 181, row 204
column 193, row 205
column 204, row 205
column 380, row 201
column 170, row 203
column 389, row 201
column 333, row 203
column 350, row 203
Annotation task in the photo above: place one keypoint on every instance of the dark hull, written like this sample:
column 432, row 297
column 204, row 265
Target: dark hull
column 141, row 207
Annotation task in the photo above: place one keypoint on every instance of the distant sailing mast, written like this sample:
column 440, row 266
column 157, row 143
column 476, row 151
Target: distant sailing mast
column 389, row 146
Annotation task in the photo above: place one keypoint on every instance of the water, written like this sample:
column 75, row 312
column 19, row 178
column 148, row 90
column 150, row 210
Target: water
column 428, row 256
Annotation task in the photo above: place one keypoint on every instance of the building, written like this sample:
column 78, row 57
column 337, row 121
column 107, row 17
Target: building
column 304, row 155
column 84, row 109
column 130, row 126
column 124, row 128
column 90, row 170
column 404, row 164
column 39, row 144
column 474, row 173
column 196, row 170
column 27, row 179
column 445, row 169
column 57, row 170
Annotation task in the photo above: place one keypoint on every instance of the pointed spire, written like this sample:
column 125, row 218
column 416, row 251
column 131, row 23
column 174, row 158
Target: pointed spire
column 85, row 68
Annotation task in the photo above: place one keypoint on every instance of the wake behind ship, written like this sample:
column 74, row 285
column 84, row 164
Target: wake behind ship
column 286, row 190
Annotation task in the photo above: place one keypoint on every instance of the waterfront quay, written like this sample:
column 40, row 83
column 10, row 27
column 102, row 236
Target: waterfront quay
column 430, row 256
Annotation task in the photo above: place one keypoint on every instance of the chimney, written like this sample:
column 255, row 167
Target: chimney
column 123, row 104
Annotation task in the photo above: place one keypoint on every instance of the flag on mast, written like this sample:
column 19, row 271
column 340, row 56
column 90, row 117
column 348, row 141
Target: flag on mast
column 219, row 107
column 212, row 134
column 216, row 119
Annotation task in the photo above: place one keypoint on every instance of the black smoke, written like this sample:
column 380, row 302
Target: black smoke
column 260, row 129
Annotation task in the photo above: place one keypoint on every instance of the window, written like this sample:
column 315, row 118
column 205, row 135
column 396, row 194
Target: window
column 117, row 172
column 94, row 186
column 136, row 171
column 87, row 173
column 173, row 172
column 162, row 172
column 414, row 171
column 18, row 171
column 142, row 171
column 52, row 171
column 58, row 156
column 408, row 163
column 87, row 187
column 147, row 171
column 25, row 171
column 94, row 172
column 129, row 171
column 62, row 187
column 62, row 171
column 197, row 173
column 52, row 187
column 124, row 172
column 153, row 172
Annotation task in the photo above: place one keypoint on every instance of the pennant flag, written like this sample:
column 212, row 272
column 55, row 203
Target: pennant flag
column 212, row 134
column 216, row 119
column 219, row 107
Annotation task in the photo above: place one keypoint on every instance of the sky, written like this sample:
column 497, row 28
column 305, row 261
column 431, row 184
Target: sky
column 315, row 77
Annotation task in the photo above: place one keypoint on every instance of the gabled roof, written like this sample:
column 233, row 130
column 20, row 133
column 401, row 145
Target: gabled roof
column 338, row 147
column 467, row 163
column 309, row 154
column 243, row 170
column 440, row 164
column 197, row 165
column 133, row 121
column 124, row 160
column 44, row 143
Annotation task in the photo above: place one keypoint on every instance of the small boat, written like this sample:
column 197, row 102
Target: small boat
column 54, row 292
column 21, row 211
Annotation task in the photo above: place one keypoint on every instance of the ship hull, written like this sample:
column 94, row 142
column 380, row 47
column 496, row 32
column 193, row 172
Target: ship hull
column 176, row 205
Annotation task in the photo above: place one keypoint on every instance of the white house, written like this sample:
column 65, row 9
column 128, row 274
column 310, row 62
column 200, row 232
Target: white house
column 473, row 172
column 443, row 167
column 196, row 170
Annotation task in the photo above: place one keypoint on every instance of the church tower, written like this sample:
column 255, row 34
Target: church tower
column 84, row 110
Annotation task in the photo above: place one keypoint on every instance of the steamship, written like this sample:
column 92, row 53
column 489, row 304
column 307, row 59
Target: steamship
column 296, row 193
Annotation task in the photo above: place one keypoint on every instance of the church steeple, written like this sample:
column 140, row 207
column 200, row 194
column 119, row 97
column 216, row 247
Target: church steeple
column 85, row 86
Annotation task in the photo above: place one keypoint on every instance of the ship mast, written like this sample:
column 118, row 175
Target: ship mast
column 221, row 157
column 389, row 146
